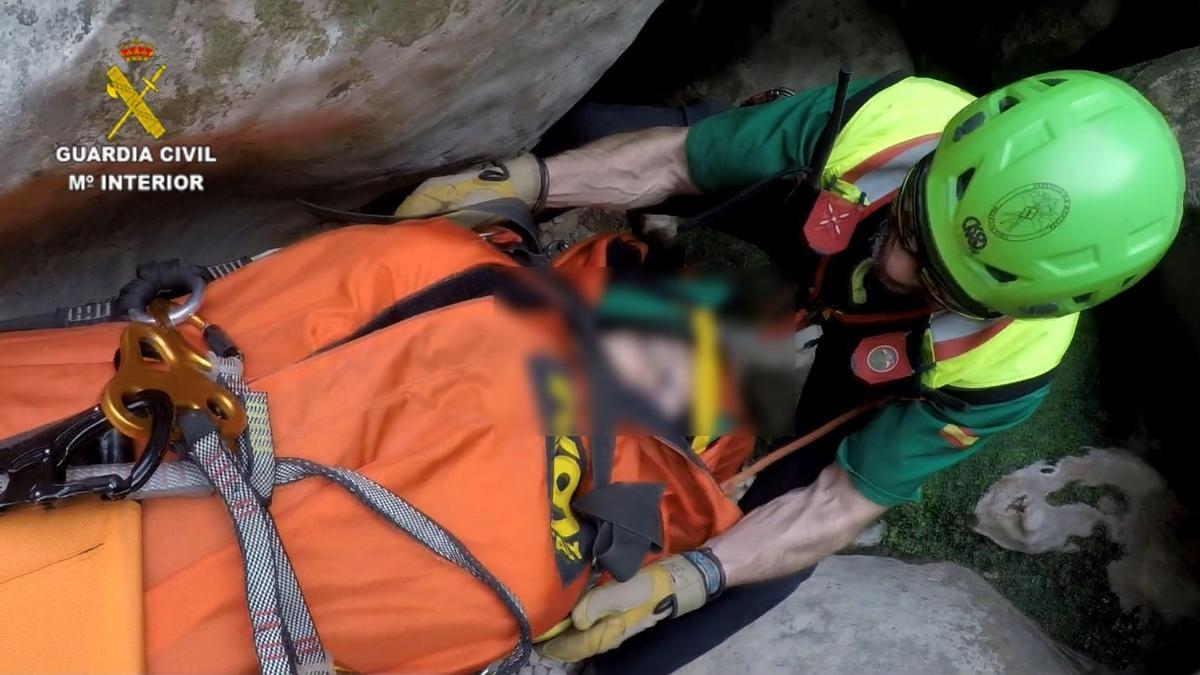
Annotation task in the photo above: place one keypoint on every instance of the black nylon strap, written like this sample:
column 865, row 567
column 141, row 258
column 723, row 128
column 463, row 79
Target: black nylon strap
column 628, row 525
column 849, row 107
column 833, row 125
column 477, row 282
column 856, row 102
column 515, row 212
column 115, row 307
column 1001, row 394
column 716, row 213
column 156, row 279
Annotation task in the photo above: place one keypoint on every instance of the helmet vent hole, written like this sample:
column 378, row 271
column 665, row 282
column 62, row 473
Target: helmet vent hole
column 964, row 179
column 1083, row 298
column 970, row 124
column 1008, row 102
column 1128, row 280
column 1042, row 310
column 1053, row 81
column 1000, row 275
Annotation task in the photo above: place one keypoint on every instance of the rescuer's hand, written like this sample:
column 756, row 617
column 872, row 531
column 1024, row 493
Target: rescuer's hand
column 522, row 177
column 609, row 614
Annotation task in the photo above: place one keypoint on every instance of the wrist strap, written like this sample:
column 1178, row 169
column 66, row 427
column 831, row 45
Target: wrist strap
column 543, row 185
column 710, row 567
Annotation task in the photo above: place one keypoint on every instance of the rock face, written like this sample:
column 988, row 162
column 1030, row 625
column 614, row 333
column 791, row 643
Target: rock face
column 295, row 97
column 982, row 45
column 1163, row 306
column 866, row 615
column 1172, row 84
column 1031, row 510
column 1048, row 33
column 802, row 45
column 729, row 49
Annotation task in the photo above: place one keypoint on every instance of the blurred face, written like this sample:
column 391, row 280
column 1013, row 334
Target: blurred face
column 898, row 270
column 657, row 367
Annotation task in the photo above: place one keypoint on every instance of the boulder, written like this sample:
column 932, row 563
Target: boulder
column 1045, row 34
column 331, row 99
column 1046, row 507
column 1172, row 84
column 728, row 49
column 802, row 45
column 985, row 44
column 1158, row 315
column 867, row 614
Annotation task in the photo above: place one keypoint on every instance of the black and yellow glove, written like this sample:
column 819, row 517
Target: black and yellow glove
column 609, row 614
column 522, row 177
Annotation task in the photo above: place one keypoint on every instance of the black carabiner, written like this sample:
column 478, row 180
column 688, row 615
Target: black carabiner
column 33, row 465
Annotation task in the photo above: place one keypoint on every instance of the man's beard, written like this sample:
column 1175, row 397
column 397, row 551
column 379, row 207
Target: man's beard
column 879, row 246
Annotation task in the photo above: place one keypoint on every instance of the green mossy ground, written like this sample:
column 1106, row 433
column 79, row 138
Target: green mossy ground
column 1066, row 593
column 1092, row 495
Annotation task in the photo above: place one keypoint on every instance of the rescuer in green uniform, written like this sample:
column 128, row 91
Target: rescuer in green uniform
column 943, row 265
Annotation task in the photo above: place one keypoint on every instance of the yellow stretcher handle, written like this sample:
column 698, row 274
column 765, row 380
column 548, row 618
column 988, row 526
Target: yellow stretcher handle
column 555, row 631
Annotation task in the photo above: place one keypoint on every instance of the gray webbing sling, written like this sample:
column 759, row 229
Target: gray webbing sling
column 285, row 638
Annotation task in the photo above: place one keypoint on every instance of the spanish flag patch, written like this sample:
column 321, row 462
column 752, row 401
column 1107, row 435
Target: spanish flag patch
column 959, row 437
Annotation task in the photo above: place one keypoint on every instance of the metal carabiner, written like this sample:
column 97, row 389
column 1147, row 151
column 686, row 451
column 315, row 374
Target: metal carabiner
column 33, row 465
column 157, row 356
column 177, row 314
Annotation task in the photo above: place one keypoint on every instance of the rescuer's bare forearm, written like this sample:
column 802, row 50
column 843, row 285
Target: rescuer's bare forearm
column 794, row 531
column 625, row 171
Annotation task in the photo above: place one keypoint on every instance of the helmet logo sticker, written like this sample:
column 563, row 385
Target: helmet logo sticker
column 1029, row 212
column 973, row 231
column 883, row 358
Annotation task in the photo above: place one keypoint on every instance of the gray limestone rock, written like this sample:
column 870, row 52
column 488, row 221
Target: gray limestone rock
column 802, row 45
column 872, row 615
column 1172, row 84
column 1031, row 510
column 335, row 100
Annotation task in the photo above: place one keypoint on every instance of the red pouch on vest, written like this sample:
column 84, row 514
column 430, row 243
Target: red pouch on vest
column 831, row 223
column 883, row 358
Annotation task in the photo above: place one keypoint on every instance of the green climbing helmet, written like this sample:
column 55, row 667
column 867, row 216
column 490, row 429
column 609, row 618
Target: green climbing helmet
column 1044, row 198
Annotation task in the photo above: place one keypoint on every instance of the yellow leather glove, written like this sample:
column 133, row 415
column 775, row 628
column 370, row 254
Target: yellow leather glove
column 522, row 177
column 609, row 614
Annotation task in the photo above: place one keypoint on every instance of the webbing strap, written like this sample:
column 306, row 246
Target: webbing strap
column 256, row 443
column 285, row 638
column 189, row 479
column 421, row 527
column 515, row 213
column 106, row 310
column 171, row 479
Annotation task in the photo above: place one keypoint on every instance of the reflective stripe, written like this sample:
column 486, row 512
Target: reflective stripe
column 954, row 335
column 893, row 165
column 912, row 108
column 874, row 151
column 996, row 353
column 959, row 437
column 946, row 326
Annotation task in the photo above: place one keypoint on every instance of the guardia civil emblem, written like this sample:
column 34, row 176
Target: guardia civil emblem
column 137, row 55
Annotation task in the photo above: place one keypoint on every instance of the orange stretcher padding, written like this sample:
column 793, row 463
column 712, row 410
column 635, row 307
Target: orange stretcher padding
column 71, row 589
column 439, row 408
